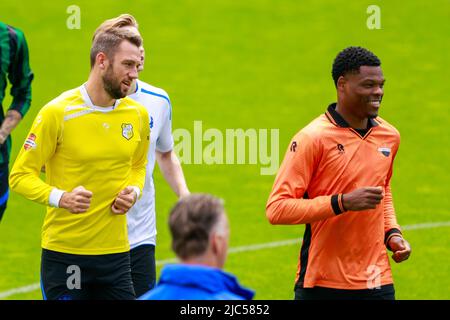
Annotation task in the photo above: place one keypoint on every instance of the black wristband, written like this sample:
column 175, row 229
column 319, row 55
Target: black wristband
column 335, row 204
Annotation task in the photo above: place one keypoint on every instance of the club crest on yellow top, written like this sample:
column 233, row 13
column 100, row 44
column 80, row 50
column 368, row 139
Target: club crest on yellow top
column 127, row 130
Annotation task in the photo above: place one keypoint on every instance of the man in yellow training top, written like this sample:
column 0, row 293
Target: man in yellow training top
column 93, row 141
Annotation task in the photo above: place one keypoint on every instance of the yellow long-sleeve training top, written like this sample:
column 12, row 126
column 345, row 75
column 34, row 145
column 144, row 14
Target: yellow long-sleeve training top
column 101, row 149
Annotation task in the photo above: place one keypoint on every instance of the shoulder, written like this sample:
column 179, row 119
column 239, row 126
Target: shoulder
column 152, row 91
column 136, row 107
column 383, row 123
column 388, row 129
column 314, row 130
column 10, row 28
column 129, row 102
column 66, row 99
column 17, row 35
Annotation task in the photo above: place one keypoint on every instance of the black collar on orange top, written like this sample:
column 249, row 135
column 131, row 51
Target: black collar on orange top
column 339, row 121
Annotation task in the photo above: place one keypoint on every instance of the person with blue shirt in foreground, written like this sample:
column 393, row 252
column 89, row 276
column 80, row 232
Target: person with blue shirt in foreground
column 200, row 234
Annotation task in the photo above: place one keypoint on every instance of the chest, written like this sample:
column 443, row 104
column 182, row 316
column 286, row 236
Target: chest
column 101, row 136
column 351, row 158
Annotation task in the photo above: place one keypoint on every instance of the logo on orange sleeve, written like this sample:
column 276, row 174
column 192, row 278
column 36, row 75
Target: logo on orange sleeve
column 293, row 146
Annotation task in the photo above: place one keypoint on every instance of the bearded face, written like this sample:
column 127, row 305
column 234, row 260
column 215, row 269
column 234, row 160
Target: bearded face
column 114, row 86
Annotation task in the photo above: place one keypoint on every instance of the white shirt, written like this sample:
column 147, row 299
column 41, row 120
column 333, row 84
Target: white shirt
column 141, row 218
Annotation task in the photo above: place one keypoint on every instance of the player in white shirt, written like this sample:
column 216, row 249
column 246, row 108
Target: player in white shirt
column 141, row 220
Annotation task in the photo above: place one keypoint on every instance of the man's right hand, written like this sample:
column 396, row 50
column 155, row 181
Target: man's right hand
column 363, row 198
column 77, row 201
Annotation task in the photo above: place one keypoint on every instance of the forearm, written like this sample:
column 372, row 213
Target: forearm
column 12, row 119
column 137, row 179
column 391, row 227
column 29, row 185
column 170, row 167
column 390, row 219
column 300, row 211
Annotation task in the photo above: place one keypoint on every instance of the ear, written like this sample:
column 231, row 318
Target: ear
column 215, row 243
column 341, row 83
column 102, row 60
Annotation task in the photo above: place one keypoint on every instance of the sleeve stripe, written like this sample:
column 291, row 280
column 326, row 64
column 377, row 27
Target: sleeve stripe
column 160, row 96
column 389, row 234
column 341, row 204
column 335, row 204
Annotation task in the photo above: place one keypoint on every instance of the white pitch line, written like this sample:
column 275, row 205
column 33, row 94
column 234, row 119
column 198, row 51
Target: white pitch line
column 25, row 289
column 427, row 225
column 254, row 247
column 266, row 245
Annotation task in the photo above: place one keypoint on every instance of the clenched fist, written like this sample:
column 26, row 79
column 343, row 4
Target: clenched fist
column 124, row 201
column 77, row 201
column 363, row 198
column 400, row 247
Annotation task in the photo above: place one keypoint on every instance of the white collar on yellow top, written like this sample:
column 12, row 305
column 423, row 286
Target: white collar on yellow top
column 89, row 103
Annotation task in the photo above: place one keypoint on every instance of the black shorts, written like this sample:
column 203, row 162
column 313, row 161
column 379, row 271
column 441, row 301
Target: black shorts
column 4, row 188
column 143, row 268
column 386, row 292
column 67, row 276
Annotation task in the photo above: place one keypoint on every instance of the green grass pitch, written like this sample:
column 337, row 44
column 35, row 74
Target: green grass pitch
column 259, row 64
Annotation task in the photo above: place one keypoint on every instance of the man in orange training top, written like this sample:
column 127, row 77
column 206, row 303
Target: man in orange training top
column 335, row 178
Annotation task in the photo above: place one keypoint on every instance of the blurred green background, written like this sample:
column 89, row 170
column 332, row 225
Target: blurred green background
column 258, row 64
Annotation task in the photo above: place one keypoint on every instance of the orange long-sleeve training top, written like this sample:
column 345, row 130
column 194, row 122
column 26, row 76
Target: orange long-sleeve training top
column 341, row 249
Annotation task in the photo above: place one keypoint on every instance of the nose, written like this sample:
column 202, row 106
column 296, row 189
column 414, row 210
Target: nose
column 378, row 91
column 133, row 74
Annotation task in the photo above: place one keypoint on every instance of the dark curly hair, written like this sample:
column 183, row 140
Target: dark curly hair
column 350, row 59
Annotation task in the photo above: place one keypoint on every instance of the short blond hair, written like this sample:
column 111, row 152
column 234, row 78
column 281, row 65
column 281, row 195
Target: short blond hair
column 124, row 20
column 108, row 42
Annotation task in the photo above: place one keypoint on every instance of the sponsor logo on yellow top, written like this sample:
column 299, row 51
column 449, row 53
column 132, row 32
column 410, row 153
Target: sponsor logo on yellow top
column 30, row 143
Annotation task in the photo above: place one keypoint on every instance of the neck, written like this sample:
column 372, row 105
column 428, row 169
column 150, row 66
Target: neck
column 354, row 121
column 132, row 88
column 202, row 260
column 97, row 93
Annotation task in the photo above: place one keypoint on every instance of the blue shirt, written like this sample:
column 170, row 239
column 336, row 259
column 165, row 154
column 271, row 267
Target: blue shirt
column 197, row 282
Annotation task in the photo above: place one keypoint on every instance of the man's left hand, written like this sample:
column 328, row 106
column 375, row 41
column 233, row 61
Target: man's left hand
column 124, row 201
column 400, row 247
